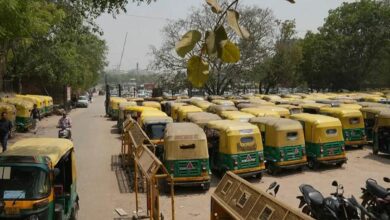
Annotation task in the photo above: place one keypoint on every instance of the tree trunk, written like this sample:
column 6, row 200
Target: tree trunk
column 3, row 67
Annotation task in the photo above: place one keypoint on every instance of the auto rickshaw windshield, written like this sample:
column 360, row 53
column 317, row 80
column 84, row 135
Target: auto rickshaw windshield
column 23, row 182
column 155, row 130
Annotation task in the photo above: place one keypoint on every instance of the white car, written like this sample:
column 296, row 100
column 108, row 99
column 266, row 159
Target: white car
column 82, row 102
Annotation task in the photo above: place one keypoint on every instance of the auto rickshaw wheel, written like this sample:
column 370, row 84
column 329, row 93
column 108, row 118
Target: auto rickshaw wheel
column 312, row 164
column 272, row 169
column 206, row 186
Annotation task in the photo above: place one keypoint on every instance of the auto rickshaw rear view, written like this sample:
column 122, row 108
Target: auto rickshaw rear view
column 235, row 146
column 324, row 139
column 38, row 180
column 381, row 133
column 23, row 110
column 284, row 143
column 186, row 155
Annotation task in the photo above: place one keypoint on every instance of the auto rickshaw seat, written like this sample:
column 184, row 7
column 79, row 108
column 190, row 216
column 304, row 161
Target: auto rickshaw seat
column 374, row 188
column 312, row 194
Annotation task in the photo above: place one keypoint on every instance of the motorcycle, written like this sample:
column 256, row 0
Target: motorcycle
column 64, row 132
column 335, row 207
column 376, row 199
column 274, row 186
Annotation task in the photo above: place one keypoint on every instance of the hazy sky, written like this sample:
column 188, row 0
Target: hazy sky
column 144, row 23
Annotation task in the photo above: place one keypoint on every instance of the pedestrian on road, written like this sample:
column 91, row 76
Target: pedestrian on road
column 35, row 116
column 5, row 130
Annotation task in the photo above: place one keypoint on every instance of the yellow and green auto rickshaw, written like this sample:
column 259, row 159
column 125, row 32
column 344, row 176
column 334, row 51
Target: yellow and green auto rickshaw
column 236, row 116
column 152, row 104
column 136, row 112
column 283, row 141
column 35, row 100
column 10, row 109
column 154, row 127
column 313, row 108
column 370, row 115
column 235, row 146
column 186, row 155
column 381, row 133
column 175, row 108
column 352, row 122
column 23, row 112
column 113, row 107
column 43, row 102
column 202, row 118
column 183, row 111
column 38, row 180
column 124, row 108
column 259, row 112
column 48, row 100
column 323, row 139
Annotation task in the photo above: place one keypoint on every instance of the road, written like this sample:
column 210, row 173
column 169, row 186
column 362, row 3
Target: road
column 97, row 142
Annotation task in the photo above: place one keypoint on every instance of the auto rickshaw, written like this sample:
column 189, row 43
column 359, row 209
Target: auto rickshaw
column 152, row 104
column 11, row 112
column 236, row 116
column 370, row 115
column 23, row 112
column 292, row 108
column 37, row 101
column 313, row 108
column 235, row 146
column 136, row 112
column 352, row 122
column 381, row 133
column 373, row 104
column 283, row 141
column 48, row 101
column 222, row 102
column 124, row 108
column 184, row 110
column 186, row 155
column 202, row 118
column 154, row 127
column 174, row 109
column 323, row 139
column 113, row 108
column 38, row 180
column 350, row 106
column 259, row 112
column 247, row 105
column 218, row 109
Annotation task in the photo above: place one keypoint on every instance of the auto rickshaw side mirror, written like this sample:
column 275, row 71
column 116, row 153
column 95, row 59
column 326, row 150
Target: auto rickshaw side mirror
column 56, row 171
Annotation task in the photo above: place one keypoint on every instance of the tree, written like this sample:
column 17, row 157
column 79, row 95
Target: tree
column 259, row 23
column 280, row 69
column 351, row 49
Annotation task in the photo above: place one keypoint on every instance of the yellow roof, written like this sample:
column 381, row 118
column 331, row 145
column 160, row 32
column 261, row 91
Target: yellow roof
column 141, row 108
column 184, row 131
column 150, row 119
column 151, row 104
column 220, row 108
column 18, row 102
column 202, row 117
column 280, row 124
column 260, row 112
column 54, row 148
column 236, row 115
column 314, row 105
column 280, row 110
column 346, row 112
column 222, row 102
column 315, row 118
column 375, row 110
column 231, row 125
column 350, row 106
column 125, row 105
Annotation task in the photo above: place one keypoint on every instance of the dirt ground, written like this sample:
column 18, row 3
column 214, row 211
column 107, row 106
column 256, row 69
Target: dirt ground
column 102, row 185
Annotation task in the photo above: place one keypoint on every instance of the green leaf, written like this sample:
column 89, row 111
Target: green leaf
column 230, row 53
column 232, row 20
column 197, row 71
column 215, row 7
column 187, row 42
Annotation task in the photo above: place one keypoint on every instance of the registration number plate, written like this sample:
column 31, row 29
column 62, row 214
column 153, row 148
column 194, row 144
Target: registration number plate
column 331, row 151
column 12, row 211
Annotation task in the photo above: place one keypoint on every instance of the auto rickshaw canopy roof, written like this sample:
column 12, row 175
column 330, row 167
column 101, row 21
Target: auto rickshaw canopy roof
column 350, row 106
column 19, row 102
column 279, row 124
column 259, row 112
column 220, row 108
column 316, row 106
column 54, row 148
column 151, row 119
column 372, row 104
column 201, row 104
column 233, row 127
column 202, row 117
column 341, row 112
column 317, row 120
column 374, row 110
column 184, row 140
column 222, row 102
column 236, row 115
column 153, row 104
column 141, row 109
column 124, row 105
column 280, row 110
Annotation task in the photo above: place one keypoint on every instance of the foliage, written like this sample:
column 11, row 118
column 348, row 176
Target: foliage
column 351, row 50
column 222, row 75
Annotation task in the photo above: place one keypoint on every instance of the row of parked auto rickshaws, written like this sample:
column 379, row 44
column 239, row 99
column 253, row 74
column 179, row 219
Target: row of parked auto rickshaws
column 194, row 136
column 18, row 108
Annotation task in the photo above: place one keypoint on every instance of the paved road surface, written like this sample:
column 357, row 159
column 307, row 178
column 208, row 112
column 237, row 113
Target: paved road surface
column 96, row 142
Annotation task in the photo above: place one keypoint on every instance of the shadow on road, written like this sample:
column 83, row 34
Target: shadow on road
column 382, row 158
column 122, row 176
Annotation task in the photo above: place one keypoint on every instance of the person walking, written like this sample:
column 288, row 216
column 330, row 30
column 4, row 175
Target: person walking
column 35, row 116
column 5, row 130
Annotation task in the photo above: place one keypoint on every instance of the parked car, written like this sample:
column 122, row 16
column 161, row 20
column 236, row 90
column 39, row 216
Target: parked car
column 82, row 102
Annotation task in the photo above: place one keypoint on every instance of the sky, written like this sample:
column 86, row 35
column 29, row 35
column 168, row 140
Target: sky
column 143, row 23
